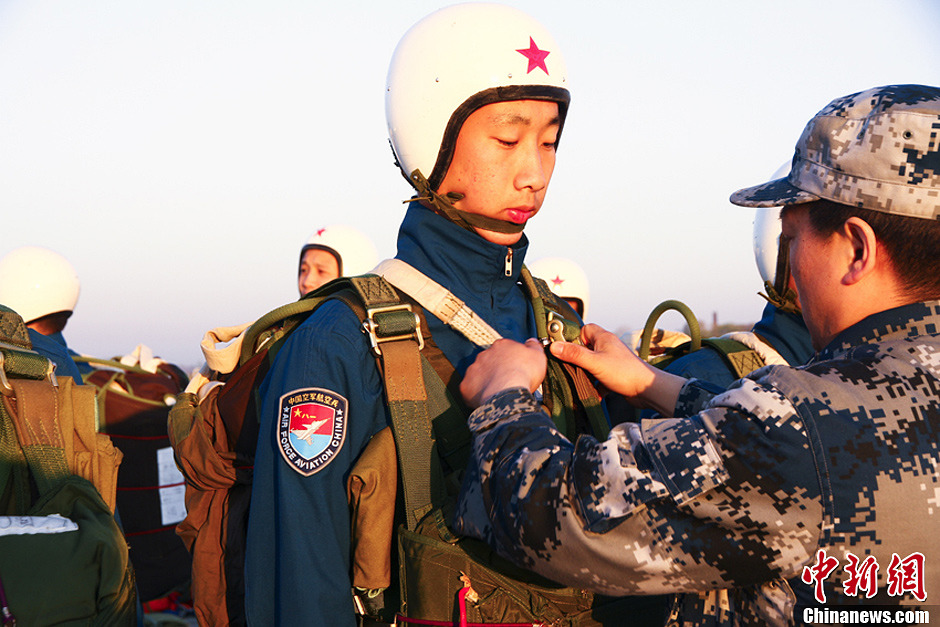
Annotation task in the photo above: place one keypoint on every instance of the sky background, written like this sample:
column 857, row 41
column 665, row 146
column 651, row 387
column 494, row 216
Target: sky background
column 180, row 152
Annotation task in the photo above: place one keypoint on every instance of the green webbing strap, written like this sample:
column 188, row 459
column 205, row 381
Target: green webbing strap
column 22, row 363
column 33, row 410
column 306, row 304
column 558, row 395
column 740, row 357
column 397, row 340
column 556, row 383
column 394, row 333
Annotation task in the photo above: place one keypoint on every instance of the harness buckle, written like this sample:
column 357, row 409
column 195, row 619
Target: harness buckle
column 398, row 322
column 555, row 328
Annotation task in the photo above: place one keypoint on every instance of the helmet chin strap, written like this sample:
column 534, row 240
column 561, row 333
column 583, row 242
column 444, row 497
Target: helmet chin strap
column 443, row 205
column 779, row 293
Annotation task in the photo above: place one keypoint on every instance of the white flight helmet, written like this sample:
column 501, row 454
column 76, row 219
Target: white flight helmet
column 36, row 282
column 355, row 253
column 767, row 231
column 565, row 278
column 455, row 61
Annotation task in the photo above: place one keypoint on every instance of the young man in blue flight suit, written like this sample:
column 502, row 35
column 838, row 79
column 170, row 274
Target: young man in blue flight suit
column 476, row 135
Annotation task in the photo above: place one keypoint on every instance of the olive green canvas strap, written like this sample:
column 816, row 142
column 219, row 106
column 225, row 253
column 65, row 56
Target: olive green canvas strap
column 742, row 359
column 553, row 323
column 395, row 335
column 33, row 409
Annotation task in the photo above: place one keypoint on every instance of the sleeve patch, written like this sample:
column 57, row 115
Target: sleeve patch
column 311, row 428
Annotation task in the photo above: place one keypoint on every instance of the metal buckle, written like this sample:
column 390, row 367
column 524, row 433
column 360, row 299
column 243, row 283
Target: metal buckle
column 370, row 326
column 5, row 388
column 555, row 328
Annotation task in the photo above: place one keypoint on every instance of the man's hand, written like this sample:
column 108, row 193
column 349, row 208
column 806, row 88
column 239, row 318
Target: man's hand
column 506, row 364
column 620, row 370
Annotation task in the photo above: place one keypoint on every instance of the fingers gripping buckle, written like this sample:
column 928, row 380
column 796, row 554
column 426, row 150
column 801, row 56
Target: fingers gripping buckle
column 390, row 324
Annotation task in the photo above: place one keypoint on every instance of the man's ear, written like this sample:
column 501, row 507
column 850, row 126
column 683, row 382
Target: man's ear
column 860, row 236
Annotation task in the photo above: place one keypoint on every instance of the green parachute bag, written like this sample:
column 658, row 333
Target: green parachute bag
column 63, row 558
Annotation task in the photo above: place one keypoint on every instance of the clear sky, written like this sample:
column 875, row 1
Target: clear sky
column 179, row 153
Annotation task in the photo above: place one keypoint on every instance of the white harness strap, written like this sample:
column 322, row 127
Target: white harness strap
column 438, row 300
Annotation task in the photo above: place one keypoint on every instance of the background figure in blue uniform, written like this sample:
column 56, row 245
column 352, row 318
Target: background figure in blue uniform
column 795, row 488
column 43, row 287
column 475, row 101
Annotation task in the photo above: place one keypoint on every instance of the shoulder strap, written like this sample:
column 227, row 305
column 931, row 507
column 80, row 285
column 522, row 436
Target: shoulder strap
column 438, row 300
column 742, row 359
column 31, row 402
column 567, row 387
column 395, row 334
column 34, row 409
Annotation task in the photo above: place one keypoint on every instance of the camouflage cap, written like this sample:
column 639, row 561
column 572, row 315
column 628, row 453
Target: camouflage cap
column 878, row 149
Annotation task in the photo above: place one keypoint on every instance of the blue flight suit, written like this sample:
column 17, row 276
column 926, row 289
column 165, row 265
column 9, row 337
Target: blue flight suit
column 298, row 546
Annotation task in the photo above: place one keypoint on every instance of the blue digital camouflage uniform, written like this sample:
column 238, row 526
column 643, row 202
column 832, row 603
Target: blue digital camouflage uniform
column 787, row 335
column 741, row 491
column 298, row 555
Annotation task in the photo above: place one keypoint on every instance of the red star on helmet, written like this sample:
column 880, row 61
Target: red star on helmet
column 557, row 280
column 535, row 56
column 320, row 232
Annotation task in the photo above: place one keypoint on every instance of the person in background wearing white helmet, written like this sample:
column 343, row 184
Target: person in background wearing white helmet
column 331, row 252
column 43, row 287
column 476, row 99
column 566, row 279
column 780, row 336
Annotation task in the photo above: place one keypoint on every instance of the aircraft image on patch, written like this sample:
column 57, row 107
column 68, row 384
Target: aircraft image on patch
column 306, row 433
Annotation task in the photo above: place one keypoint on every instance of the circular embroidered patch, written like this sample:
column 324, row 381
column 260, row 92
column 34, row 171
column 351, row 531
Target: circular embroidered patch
column 311, row 428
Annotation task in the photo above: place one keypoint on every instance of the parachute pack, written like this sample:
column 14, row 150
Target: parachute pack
column 135, row 393
column 441, row 578
column 63, row 557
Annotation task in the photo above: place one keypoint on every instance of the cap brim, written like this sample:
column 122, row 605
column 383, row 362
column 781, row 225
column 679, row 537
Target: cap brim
column 777, row 193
